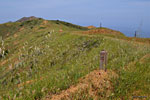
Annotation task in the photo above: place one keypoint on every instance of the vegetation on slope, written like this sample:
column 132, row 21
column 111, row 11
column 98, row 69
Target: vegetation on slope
column 43, row 60
column 70, row 25
column 30, row 23
column 8, row 29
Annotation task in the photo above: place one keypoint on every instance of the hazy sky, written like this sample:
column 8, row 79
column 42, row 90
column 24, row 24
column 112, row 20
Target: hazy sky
column 124, row 15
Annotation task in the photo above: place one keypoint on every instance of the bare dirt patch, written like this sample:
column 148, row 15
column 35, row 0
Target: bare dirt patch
column 29, row 82
column 15, row 35
column 91, row 27
column 102, row 31
column 45, row 22
column 94, row 83
column 4, row 62
column 143, row 59
column 22, row 28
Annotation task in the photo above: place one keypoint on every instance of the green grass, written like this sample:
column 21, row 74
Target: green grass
column 58, row 60
column 133, row 82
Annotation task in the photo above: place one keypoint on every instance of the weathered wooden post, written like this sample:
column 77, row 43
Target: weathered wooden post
column 103, row 60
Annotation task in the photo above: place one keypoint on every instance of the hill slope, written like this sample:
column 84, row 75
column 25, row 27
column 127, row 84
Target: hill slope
column 28, row 24
column 46, row 57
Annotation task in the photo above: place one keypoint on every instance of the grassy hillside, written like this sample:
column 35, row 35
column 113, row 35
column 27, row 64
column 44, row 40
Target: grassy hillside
column 36, row 24
column 8, row 29
column 46, row 57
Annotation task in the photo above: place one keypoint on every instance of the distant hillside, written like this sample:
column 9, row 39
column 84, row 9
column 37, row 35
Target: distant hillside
column 27, row 19
column 11, row 28
column 30, row 23
column 70, row 25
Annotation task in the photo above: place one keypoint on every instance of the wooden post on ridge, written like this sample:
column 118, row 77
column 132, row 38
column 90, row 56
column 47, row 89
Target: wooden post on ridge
column 103, row 60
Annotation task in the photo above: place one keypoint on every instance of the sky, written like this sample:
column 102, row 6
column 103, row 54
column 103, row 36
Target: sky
column 126, row 16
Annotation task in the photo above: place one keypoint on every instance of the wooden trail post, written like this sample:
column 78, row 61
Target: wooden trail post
column 103, row 60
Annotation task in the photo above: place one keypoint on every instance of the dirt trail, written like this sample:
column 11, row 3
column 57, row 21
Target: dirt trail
column 28, row 82
column 142, row 60
column 95, row 82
